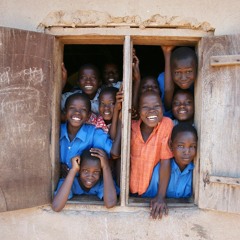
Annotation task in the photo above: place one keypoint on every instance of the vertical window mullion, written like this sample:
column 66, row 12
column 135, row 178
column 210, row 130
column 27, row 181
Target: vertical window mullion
column 126, row 119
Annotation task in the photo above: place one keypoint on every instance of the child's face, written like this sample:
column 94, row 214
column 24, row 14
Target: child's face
column 183, row 106
column 184, row 72
column 106, row 105
column 110, row 74
column 150, row 109
column 184, row 148
column 149, row 84
column 77, row 112
column 89, row 81
column 90, row 173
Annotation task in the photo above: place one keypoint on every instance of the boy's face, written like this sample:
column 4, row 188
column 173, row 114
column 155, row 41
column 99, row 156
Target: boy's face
column 106, row 105
column 183, row 106
column 110, row 74
column 150, row 109
column 184, row 148
column 184, row 72
column 149, row 84
column 90, row 173
column 89, row 81
column 77, row 112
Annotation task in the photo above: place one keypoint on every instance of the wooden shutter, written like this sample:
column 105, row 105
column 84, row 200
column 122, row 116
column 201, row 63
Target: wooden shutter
column 26, row 88
column 219, row 132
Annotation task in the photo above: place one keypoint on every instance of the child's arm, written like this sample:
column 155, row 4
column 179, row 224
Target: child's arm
column 136, row 84
column 61, row 197
column 110, row 195
column 158, row 204
column 168, row 83
column 64, row 75
column 116, row 146
column 117, row 108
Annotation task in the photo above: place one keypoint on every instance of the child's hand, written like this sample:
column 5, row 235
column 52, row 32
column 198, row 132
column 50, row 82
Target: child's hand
column 158, row 207
column 119, row 100
column 76, row 163
column 99, row 153
column 64, row 75
column 64, row 169
column 135, row 69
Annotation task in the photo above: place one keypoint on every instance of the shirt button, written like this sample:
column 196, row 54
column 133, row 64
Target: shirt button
column 69, row 148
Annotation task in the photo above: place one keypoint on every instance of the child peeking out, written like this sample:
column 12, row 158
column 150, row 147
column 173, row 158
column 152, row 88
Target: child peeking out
column 94, row 177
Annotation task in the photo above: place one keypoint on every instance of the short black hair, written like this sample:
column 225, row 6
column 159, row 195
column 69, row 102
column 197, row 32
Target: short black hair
column 89, row 65
column 112, row 90
column 86, row 155
column 184, row 53
column 78, row 95
column 179, row 90
column 183, row 127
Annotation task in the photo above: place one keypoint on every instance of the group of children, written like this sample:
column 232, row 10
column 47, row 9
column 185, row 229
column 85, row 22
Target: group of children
column 163, row 138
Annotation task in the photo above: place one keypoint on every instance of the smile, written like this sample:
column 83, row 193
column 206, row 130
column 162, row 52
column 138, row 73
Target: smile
column 152, row 118
column 88, row 87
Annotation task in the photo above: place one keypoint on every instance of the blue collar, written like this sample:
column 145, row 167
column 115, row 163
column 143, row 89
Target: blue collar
column 175, row 167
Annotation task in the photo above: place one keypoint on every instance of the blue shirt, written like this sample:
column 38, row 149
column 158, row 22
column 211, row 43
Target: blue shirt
column 87, row 137
column 180, row 183
column 76, row 189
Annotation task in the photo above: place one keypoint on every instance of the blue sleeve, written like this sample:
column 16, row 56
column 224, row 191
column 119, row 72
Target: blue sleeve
column 60, row 183
column 161, row 84
column 102, row 140
column 100, row 192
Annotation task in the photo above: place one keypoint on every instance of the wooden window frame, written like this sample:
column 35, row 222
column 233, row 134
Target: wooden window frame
column 129, row 37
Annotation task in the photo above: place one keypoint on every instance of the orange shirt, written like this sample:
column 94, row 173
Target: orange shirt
column 146, row 155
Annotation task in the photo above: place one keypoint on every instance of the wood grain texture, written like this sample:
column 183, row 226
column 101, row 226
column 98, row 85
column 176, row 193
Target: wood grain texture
column 220, row 125
column 26, row 79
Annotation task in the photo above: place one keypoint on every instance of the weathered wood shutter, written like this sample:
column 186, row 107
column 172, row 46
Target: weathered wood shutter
column 219, row 83
column 26, row 87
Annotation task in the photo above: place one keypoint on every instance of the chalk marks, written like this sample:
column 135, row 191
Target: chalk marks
column 30, row 76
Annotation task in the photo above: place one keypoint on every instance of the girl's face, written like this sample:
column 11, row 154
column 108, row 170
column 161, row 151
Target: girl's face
column 106, row 105
column 183, row 106
column 90, row 173
column 77, row 112
column 150, row 109
column 149, row 84
column 184, row 148
column 184, row 72
column 89, row 81
column 111, row 74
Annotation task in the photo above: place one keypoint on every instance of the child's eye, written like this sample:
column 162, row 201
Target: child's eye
column 176, row 104
column 180, row 146
column 193, row 147
column 188, row 103
column 189, row 72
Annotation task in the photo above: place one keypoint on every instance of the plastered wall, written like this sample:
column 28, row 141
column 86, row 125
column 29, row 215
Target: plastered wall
column 28, row 14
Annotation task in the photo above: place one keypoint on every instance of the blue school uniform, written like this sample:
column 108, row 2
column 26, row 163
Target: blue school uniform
column 180, row 183
column 87, row 137
column 76, row 189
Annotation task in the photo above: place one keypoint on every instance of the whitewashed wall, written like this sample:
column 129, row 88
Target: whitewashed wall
column 223, row 15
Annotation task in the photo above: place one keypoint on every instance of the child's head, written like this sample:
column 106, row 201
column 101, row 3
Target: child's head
column 90, row 170
column 184, row 67
column 107, row 100
column 150, row 108
column 77, row 109
column 183, row 105
column 149, row 83
column 89, row 79
column 184, row 144
column 111, row 73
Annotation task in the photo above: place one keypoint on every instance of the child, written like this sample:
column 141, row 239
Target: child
column 91, row 166
column 89, row 83
column 108, row 111
column 180, row 72
column 149, row 83
column 149, row 147
column 76, row 135
column 183, row 106
column 111, row 76
column 184, row 146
